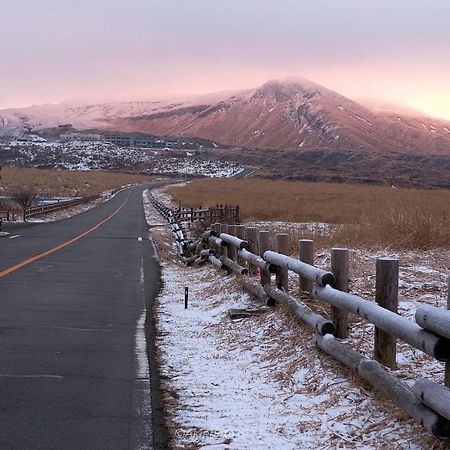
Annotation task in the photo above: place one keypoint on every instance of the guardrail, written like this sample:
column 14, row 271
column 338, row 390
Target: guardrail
column 245, row 251
column 36, row 211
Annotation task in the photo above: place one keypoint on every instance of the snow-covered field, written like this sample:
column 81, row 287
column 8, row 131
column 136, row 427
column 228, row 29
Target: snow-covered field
column 102, row 155
column 260, row 382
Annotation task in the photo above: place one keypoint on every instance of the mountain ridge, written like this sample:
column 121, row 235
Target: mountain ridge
column 288, row 114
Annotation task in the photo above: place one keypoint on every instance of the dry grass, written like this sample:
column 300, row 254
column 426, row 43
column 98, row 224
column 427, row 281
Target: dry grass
column 371, row 215
column 65, row 182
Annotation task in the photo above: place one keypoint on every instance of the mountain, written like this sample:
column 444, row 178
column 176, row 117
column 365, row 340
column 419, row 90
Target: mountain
column 289, row 114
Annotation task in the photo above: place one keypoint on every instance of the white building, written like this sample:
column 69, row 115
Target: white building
column 84, row 137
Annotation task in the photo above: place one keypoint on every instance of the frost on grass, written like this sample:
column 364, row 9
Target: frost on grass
column 260, row 383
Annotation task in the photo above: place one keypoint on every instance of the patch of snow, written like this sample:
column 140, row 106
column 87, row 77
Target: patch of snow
column 312, row 227
column 85, row 156
column 364, row 120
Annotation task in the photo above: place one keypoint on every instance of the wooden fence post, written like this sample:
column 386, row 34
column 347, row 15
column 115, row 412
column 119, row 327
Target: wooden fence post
column 339, row 267
column 252, row 239
column 232, row 249
column 447, row 364
column 386, row 295
column 306, row 255
column 282, row 242
column 240, row 233
column 216, row 228
column 211, row 216
column 224, row 229
column 264, row 245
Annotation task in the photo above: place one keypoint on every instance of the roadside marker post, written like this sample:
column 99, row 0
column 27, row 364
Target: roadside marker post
column 186, row 297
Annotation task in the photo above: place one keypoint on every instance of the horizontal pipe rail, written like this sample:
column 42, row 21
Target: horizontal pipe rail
column 434, row 319
column 233, row 240
column 303, row 312
column 258, row 291
column 388, row 321
column 387, row 384
column 257, row 261
column 207, row 234
column 217, row 241
column 434, row 395
column 216, row 261
column 233, row 266
column 319, row 276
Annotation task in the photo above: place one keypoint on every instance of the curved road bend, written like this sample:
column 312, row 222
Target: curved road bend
column 73, row 363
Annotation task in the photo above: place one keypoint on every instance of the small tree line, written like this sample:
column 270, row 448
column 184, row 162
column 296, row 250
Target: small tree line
column 24, row 197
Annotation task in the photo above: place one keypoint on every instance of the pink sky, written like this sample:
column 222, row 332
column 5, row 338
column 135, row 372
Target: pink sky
column 103, row 50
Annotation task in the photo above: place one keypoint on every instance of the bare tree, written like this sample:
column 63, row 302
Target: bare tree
column 24, row 197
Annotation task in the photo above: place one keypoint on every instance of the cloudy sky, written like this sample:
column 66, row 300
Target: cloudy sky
column 394, row 50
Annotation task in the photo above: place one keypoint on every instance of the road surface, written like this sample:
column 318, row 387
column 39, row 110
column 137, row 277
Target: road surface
column 246, row 172
column 73, row 356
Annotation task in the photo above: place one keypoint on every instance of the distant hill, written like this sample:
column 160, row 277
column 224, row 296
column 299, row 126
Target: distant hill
column 290, row 114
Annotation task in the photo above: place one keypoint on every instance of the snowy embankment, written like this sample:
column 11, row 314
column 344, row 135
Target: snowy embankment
column 84, row 156
column 260, row 383
column 73, row 210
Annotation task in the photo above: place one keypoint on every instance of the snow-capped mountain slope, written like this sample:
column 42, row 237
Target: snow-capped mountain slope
column 294, row 113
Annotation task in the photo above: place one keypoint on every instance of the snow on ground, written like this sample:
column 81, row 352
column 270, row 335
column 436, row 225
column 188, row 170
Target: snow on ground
column 162, row 196
column 102, row 155
column 260, row 383
column 281, row 227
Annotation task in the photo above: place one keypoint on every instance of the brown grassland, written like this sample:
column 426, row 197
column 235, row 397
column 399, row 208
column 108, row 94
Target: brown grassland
column 370, row 216
column 65, row 182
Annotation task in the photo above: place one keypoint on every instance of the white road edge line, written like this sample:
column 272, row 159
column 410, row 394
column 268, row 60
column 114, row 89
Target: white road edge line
column 12, row 375
column 141, row 396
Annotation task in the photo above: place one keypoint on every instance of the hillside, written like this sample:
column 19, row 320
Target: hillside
column 290, row 114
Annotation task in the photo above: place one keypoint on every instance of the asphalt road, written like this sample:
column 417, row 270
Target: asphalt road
column 247, row 171
column 74, row 296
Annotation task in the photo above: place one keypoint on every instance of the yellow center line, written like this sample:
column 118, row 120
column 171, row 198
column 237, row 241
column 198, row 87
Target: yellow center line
column 60, row 246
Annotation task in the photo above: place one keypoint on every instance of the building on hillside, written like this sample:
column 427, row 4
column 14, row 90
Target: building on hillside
column 83, row 137
column 138, row 141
